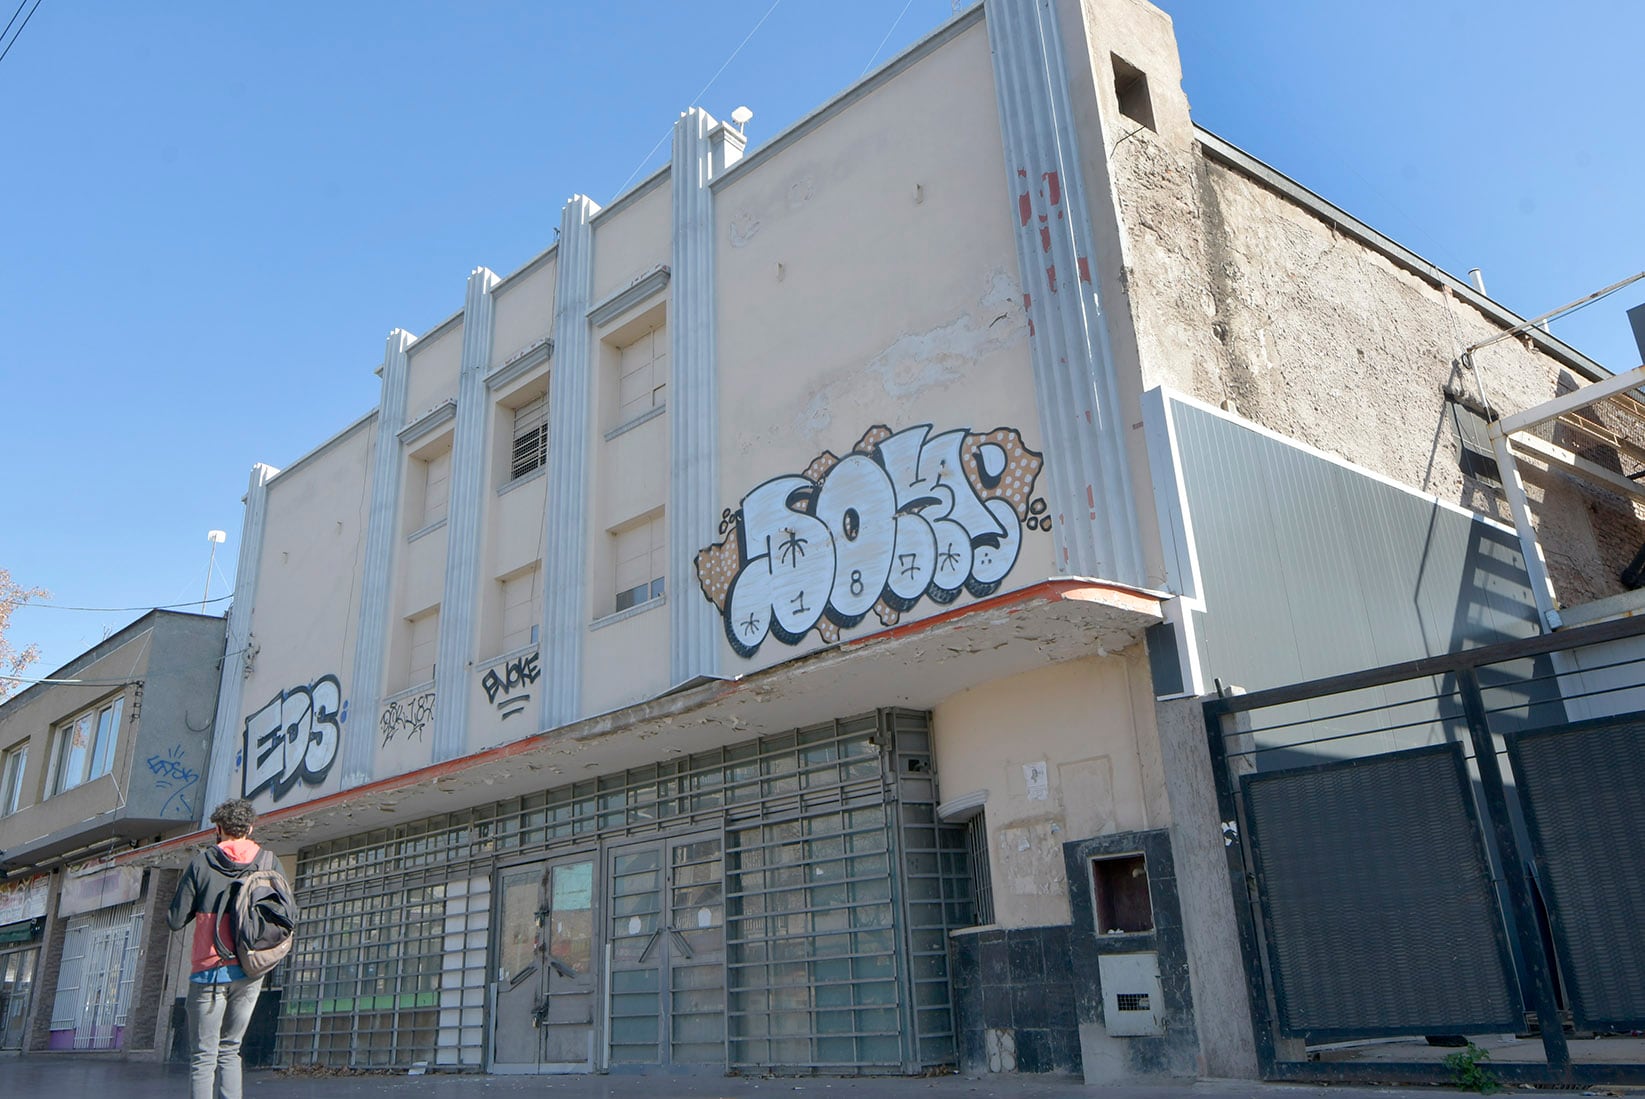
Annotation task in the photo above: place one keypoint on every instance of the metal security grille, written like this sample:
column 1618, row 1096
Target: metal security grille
column 530, row 437
column 826, row 874
column 95, row 980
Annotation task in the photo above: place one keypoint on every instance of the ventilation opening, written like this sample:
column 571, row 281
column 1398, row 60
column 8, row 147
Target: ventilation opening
column 1120, row 893
column 1131, row 89
column 1133, row 1001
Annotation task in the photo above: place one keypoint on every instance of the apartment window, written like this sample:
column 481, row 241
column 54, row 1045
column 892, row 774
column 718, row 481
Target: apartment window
column 83, row 747
column 641, row 552
column 436, row 488
column 519, row 611
column 11, row 779
column 642, row 374
column 530, row 438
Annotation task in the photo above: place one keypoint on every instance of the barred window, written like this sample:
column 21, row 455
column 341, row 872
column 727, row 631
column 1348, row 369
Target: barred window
column 530, row 437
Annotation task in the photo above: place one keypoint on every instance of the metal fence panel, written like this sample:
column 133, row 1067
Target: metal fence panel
column 1377, row 895
column 1583, row 791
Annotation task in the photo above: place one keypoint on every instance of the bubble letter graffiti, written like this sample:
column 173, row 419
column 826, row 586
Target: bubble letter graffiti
column 905, row 516
column 294, row 737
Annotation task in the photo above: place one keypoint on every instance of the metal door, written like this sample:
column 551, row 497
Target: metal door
column 16, row 981
column 666, row 946
column 108, row 964
column 543, row 997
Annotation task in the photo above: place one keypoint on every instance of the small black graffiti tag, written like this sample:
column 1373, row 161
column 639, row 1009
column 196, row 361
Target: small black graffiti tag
column 505, row 684
column 406, row 718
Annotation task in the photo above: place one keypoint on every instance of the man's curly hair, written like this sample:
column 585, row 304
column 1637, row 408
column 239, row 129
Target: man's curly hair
column 235, row 817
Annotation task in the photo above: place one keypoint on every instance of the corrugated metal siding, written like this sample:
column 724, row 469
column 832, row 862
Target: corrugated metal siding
column 1312, row 569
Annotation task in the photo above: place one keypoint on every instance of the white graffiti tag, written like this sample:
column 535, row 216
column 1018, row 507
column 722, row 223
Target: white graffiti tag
column 294, row 736
column 904, row 516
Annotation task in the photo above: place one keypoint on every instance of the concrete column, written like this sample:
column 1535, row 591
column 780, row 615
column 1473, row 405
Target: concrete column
column 565, row 517
column 1216, row 966
column 226, row 738
column 460, row 598
column 701, row 148
column 365, row 685
column 1074, row 382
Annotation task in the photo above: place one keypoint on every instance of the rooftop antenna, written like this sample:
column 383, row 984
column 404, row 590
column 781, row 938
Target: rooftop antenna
column 216, row 538
column 741, row 117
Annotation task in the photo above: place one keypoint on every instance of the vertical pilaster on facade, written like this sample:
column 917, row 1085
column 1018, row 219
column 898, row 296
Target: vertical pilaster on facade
column 459, row 601
column 226, row 741
column 365, row 685
column 565, row 517
column 693, row 400
column 1074, row 379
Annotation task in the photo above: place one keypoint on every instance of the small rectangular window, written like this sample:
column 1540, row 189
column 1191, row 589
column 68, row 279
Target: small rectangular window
column 530, row 438
column 425, row 644
column 11, row 779
column 436, row 488
column 519, row 611
column 982, row 879
column 642, row 558
column 642, row 374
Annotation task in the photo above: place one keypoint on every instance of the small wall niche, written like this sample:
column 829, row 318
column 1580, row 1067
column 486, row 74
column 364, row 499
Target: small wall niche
column 1131, row 88
column 1119, row 894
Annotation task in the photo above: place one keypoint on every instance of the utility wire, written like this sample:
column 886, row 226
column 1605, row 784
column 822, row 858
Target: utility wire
column 113, row 610
column 13, row 19
column 886, row 39
column 698, row 97
column 20, row 30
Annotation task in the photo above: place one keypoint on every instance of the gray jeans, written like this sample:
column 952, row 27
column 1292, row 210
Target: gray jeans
column 217, row 1019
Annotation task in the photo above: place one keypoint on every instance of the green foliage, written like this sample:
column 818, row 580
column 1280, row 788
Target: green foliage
column 1468, row 1069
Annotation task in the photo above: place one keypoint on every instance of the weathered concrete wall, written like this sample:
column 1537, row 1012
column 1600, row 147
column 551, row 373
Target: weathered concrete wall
column 1245, row 298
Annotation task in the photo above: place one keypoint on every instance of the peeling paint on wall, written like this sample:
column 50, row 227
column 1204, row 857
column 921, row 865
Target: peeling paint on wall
column 920, row 361
column 1031, row 856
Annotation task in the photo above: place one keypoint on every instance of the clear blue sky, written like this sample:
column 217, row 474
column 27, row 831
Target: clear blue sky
column 211, row 214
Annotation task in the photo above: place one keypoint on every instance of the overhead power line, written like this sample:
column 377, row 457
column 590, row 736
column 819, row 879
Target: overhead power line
column 20, row 29
column 113, row 610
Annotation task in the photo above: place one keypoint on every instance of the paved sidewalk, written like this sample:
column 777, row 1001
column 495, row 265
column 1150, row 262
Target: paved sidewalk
column 90, row 1077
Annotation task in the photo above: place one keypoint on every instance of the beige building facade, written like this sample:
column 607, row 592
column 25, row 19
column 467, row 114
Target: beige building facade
column 754, row 635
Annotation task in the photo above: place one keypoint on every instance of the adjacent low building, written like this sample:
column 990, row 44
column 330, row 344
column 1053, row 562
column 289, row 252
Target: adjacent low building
column 105, row 754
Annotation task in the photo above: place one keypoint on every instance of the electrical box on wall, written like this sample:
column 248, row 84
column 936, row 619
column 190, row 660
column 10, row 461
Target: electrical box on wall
column 1131, row 994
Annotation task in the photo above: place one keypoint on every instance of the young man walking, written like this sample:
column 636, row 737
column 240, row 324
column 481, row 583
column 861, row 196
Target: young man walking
column 220, row 995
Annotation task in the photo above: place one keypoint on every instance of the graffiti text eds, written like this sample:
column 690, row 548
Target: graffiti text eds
column 906, row 515
column 505, row 684
column 294, row 736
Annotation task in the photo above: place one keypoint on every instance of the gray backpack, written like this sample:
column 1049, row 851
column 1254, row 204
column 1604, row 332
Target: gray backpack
column 262, row 918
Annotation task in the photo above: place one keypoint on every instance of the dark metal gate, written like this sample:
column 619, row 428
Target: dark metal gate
column 1453, row 846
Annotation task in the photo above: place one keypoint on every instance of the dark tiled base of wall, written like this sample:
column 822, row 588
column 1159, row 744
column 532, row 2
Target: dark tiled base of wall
column 1019, row 982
